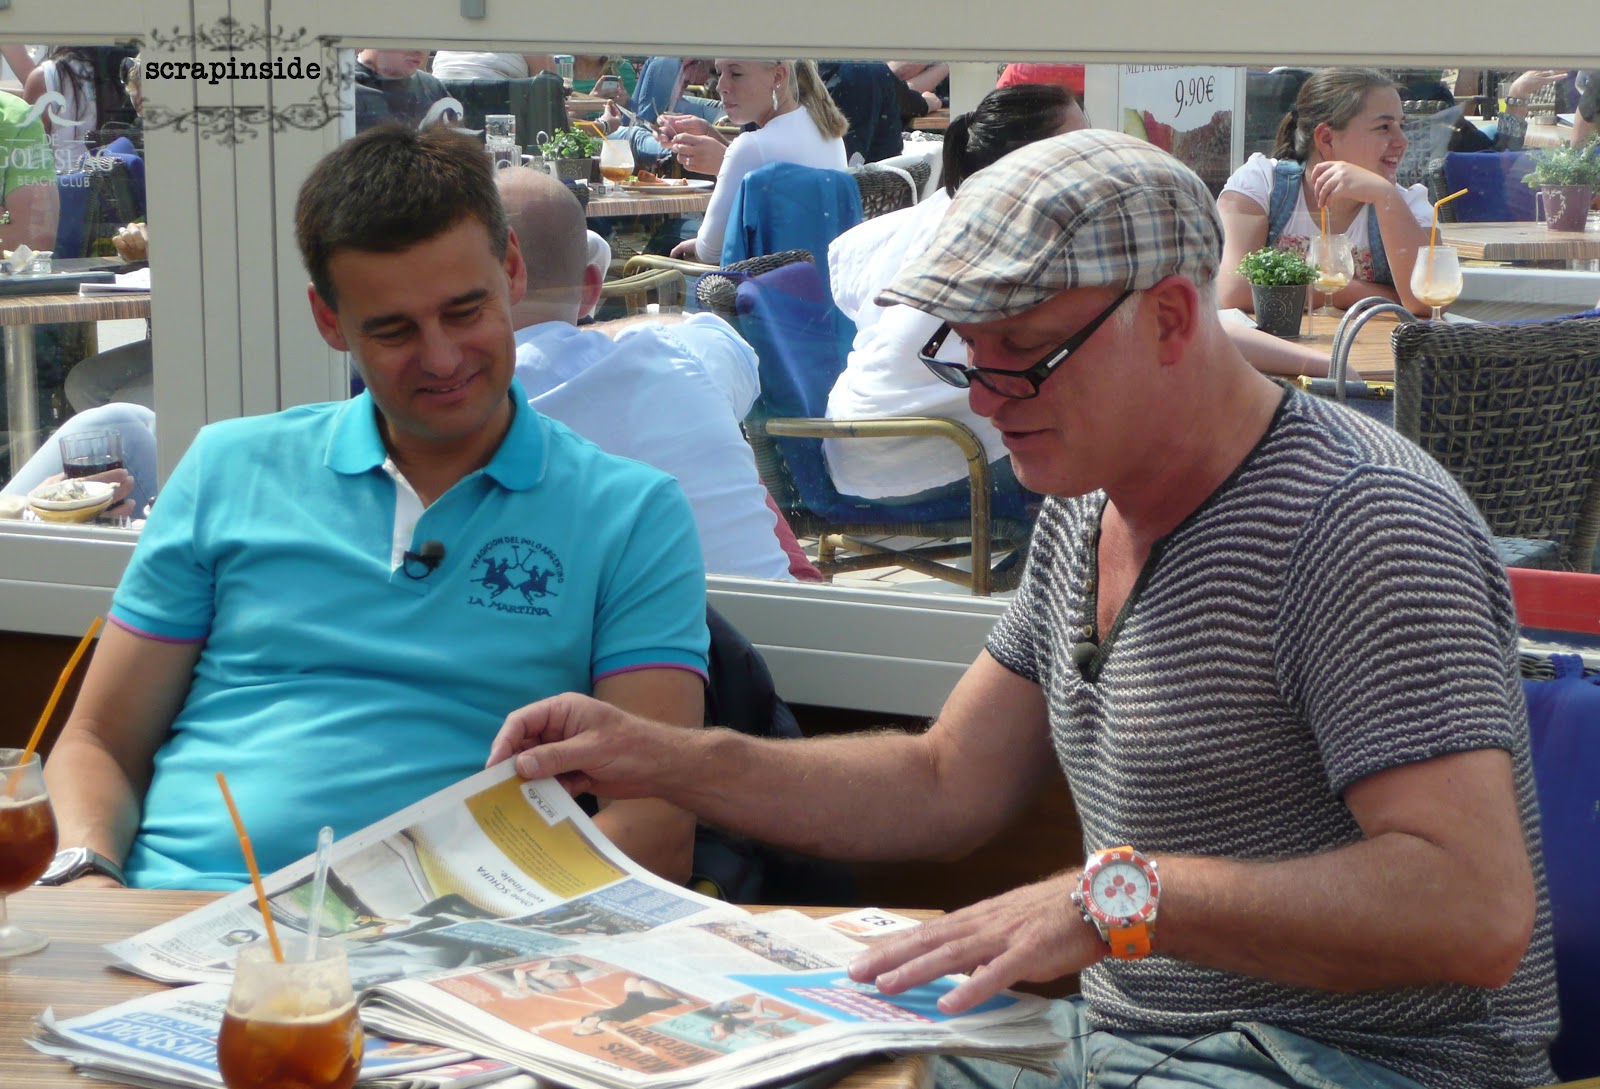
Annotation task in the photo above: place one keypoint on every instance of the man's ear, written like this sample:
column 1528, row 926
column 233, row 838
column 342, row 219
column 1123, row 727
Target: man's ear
column 327, row 320
column 1176, row 302
column 516, row 268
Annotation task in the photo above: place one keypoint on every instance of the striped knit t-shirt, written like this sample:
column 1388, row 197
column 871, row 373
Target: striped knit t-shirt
column 1334, row 609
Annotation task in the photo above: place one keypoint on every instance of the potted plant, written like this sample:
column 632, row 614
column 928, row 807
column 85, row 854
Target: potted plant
column 1278, row 280
column 1566, row 178
column 571, row 154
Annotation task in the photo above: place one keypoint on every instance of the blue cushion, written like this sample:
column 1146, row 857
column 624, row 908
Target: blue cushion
column 1564, row 720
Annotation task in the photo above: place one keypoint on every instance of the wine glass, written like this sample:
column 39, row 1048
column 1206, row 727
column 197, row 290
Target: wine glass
column 1331, row 256
column 616, row 160
column 290, row 1022
column 1436, row 278
column 27, row 842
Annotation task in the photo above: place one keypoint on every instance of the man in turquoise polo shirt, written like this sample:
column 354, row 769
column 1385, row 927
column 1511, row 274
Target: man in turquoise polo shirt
column 338, row 604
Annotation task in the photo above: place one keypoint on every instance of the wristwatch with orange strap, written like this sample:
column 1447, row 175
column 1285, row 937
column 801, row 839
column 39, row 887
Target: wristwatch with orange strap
column 1119, row 893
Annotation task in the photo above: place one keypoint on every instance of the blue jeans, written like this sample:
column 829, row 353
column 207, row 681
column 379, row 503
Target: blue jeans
column 1249, row 1055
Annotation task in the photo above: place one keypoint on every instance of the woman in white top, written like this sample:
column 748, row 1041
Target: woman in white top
column 1338, row 149
column 456, row 64
column 798, row 123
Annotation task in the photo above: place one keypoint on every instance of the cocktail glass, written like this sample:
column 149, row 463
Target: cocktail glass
column 1335, row 263
column 290, row 1022
column 27, row 842
column 616, row 160
column 1436, row 278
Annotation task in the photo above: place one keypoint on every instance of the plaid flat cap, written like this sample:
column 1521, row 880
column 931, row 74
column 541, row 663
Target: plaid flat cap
column 1085, row 209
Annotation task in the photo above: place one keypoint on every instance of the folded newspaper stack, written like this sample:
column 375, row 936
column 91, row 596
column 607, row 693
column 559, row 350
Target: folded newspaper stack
column 170, row 1039
column 494, row 918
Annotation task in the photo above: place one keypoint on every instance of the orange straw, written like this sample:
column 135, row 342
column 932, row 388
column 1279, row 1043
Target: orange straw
column 61, row 686
column 1324, row 226
column 1433, row 229
column 255, row 872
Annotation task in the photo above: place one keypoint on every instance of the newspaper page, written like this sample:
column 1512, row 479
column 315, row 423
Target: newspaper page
column 170, row 1038
column 494, row 918
column 491, row 868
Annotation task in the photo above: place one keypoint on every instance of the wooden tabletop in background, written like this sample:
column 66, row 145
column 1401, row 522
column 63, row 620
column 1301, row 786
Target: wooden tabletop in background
column 1519, row 242
column 664, row 203
column 74, row 976
column 45, row 309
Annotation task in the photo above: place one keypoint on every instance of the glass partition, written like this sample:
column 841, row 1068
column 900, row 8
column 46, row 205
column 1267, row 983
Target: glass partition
column 78, row 386
column 1223, row 120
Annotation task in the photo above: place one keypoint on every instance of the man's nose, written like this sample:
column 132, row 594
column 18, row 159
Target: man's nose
column 438, row 352
column 984, row 401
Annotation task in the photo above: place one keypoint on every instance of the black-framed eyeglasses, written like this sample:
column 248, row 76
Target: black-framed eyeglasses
column 1017, row 385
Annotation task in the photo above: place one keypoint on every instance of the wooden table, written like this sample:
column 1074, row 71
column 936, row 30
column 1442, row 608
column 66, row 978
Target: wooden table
column 665, row 203
column 1371, row 357
column 1519, row 242
column 74, row 976
column 19, row 314
column 932, row 121
column 583, row 107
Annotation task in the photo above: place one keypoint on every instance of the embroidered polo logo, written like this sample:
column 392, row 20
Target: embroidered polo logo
column 515, row 573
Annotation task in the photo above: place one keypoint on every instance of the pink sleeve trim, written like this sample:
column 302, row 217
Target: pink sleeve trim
column 142, row 634
column 696, row 670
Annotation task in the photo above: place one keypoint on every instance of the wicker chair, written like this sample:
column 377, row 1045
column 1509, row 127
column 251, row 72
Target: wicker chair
column 888, row 188
column 1513, row 411
column 668, row 285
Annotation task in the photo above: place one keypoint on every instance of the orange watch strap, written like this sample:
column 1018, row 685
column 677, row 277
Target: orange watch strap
column 1129, row 942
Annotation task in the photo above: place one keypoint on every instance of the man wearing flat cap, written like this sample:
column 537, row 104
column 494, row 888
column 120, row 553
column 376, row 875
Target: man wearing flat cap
column 1269, row 644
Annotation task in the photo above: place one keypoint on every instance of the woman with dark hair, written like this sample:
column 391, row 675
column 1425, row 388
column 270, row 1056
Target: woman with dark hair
column 89, row 81
column 1336, row 153
column 883, row 376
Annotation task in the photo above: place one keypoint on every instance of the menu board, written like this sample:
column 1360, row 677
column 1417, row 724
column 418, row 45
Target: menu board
column 1187, row 111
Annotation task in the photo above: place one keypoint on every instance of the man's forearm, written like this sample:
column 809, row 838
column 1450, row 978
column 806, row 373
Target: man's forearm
column 95, row 804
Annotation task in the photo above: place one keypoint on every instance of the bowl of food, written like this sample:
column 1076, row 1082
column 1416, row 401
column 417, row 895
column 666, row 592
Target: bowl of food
column 71, row 500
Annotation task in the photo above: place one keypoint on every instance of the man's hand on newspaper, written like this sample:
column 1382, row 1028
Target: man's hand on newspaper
column 1031, row 933
column 587, row 745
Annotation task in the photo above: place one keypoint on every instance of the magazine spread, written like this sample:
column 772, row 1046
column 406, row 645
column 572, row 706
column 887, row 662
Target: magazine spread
column 494, row 918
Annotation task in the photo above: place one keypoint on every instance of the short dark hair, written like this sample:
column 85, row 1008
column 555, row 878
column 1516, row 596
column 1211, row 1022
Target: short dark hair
column 390, row 188
column 1007, row 118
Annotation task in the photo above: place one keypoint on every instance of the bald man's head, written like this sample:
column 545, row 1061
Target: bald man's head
column 551, row 229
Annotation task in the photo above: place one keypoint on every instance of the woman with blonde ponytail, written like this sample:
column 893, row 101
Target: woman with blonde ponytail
column 796, row 122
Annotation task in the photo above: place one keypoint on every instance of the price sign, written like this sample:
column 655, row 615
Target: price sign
column 1181, row 97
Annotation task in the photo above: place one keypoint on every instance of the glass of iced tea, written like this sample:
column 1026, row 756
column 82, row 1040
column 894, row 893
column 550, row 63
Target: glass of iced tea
column 291, row 1022
column 27, row 842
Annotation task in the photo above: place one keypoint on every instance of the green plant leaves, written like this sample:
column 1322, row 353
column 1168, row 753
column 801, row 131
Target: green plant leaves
column 1269, row 266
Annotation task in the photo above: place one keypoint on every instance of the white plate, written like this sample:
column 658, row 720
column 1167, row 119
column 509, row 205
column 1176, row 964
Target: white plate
column 687, row 185
column 65, row 495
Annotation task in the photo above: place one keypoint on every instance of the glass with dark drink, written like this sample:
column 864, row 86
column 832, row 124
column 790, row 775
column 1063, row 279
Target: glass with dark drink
column 89, row 452
column 290, row 1022
column 27, row 842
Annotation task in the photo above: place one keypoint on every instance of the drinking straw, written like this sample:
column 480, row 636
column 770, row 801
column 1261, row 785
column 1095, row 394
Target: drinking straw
column 1433, row 229
column 1324, row 226
column 55, row 697
column 255, row 872
column 319, row 888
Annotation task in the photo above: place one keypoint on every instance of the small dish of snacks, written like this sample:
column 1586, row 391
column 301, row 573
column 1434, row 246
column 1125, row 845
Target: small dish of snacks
column 71, row 500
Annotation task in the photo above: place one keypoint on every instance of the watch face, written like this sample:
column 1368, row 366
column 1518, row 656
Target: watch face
column 1119, row 890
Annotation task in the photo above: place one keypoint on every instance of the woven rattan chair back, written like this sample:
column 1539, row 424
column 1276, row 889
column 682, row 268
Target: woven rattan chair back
column 1513, row 412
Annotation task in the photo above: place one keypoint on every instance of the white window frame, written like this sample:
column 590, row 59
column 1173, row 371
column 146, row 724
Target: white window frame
column 248, row 346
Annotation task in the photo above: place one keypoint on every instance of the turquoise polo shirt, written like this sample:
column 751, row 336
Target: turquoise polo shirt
column 332, row 687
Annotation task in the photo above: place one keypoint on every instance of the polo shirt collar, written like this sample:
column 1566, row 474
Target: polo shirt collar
column 519, row 464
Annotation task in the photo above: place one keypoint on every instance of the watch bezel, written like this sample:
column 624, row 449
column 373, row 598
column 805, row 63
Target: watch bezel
column 1085, row 893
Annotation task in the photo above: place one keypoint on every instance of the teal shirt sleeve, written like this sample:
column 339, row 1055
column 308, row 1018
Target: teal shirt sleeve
column 168, row 591
column 652, row 607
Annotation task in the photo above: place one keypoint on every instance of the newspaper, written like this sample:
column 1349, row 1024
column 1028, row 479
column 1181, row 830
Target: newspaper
column 170, row 1039
column 494, row 918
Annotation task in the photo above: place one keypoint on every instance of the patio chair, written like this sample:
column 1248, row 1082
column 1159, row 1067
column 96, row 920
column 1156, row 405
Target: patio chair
column 786, row 318
column 1563, row 706
column 669, row 287
column 1512, row 410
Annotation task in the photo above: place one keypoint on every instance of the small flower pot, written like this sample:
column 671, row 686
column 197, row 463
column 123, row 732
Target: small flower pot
column 1566, row 207
column 569, row 169
column 1279, row 308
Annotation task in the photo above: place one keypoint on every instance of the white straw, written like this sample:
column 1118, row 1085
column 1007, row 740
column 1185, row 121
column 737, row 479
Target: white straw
column 319, row 888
